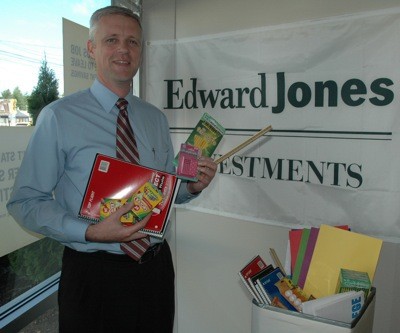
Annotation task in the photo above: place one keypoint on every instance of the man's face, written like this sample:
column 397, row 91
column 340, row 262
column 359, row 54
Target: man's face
column 117, row 50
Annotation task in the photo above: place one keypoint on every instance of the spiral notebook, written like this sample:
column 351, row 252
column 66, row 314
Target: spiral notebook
column 117, row 179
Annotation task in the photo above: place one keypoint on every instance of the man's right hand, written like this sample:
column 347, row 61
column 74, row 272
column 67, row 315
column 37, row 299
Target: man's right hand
column 111, row 230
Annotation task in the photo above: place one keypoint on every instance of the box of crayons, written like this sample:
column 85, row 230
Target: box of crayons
column 353, row 280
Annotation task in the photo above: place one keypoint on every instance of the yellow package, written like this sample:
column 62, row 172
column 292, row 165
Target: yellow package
column 109, row 206
column 145, row 199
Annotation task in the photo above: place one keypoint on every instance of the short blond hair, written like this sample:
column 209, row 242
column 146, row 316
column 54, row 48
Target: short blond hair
column 109, row 10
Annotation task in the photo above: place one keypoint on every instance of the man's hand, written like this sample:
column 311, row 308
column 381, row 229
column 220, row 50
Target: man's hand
column 111, row 230
column 207, row 169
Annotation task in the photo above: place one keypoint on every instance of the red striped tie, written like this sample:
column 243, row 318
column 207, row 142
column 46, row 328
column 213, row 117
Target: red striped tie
column 127, row 150
column 126, row 143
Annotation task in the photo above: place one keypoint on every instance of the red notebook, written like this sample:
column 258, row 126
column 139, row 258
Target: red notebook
column 117, row 179
column 256, row 265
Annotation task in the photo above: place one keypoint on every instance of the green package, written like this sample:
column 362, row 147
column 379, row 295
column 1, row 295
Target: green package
column 206, row 136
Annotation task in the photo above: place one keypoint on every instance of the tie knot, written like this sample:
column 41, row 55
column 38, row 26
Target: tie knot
column 122, row 104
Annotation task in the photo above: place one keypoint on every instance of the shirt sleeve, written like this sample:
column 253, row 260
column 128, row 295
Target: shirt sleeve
column 32, row 202
column 184, row 195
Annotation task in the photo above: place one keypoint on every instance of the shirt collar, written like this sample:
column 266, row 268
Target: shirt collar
column 106, row 97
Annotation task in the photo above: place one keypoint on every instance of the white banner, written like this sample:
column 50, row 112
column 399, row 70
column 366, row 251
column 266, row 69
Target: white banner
column 330, row 90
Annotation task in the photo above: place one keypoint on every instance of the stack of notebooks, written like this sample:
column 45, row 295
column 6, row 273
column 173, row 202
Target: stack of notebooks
column 270, row 285
column 315, row 279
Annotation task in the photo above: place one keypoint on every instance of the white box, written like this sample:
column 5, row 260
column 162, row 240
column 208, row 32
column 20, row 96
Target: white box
column 269, row 319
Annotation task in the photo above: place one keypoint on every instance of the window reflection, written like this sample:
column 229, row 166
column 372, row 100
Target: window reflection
column 25, row 268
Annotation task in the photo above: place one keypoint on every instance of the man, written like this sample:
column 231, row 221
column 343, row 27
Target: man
column 101, row 289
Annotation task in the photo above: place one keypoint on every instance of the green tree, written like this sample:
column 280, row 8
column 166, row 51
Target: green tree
column 6, row 94
column 22, row 100
column 44, row 93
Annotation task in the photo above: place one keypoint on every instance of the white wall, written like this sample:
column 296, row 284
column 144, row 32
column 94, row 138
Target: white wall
column 209, row 249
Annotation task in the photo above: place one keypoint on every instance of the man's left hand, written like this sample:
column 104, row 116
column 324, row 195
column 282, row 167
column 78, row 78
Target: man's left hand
column 207, row 169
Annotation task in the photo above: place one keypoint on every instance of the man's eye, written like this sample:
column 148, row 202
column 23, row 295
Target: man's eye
column 111, row 41
column 133, row 42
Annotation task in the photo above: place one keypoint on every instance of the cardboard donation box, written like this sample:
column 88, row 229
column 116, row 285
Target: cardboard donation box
column 270, row 319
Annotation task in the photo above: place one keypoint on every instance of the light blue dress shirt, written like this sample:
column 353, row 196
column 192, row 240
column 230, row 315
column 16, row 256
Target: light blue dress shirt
column 69, row 132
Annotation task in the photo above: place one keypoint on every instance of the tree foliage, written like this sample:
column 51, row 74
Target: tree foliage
column 45, row 92
column 22, row 99
column 6, row 94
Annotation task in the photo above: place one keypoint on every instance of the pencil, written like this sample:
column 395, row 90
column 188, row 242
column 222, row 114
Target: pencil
column 244, row 144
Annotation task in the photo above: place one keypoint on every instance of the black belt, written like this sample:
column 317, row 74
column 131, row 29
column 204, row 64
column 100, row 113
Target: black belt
column 150, row 253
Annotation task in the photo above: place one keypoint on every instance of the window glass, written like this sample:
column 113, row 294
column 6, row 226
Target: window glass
column 25, row 268
column 30, row 36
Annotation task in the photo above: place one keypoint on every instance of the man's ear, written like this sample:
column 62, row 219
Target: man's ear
column 90, row 47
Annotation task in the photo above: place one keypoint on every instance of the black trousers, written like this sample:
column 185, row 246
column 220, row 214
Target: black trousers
column 105, row 293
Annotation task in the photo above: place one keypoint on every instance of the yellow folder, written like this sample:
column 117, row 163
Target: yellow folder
column 335, row 249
